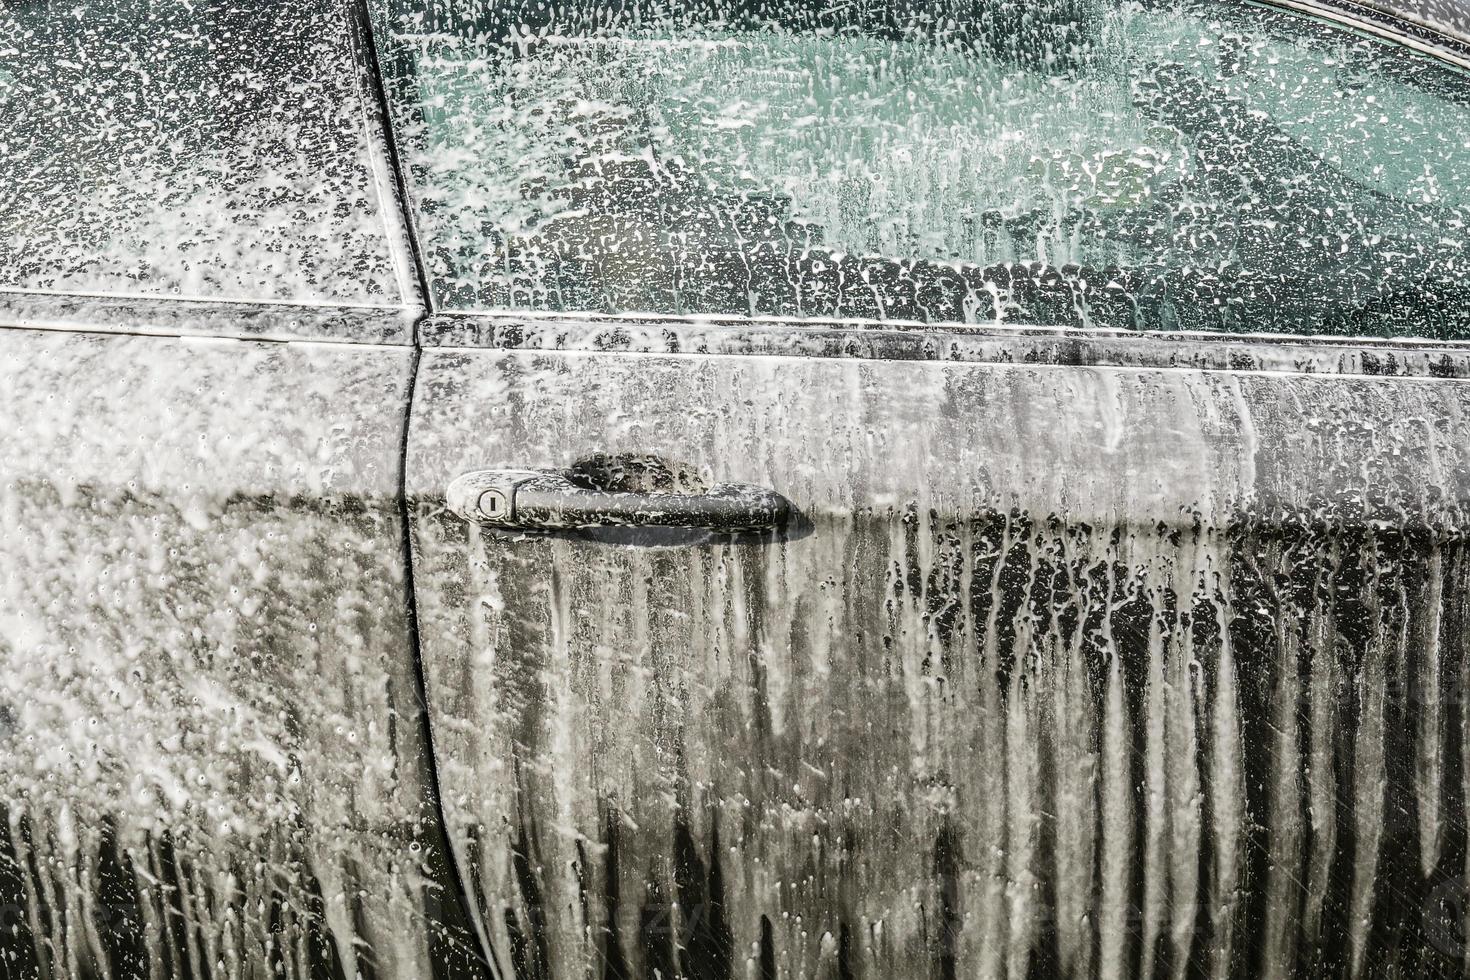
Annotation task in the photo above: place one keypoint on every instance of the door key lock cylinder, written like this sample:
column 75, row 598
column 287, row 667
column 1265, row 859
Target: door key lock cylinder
column 489, row 496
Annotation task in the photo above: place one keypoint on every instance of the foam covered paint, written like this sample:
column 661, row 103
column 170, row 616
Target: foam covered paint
column 212, row 758
column 1084, row 671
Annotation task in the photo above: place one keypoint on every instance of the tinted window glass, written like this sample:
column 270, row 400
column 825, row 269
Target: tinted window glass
column 1144, row 165
column 209, row 148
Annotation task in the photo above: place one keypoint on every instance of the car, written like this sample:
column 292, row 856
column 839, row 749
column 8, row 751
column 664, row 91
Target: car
column 761, row 489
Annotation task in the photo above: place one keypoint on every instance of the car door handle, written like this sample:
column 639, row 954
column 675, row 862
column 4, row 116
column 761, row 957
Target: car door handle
column 550, row 500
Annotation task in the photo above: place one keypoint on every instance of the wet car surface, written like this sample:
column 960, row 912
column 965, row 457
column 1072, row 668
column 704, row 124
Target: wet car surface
column 1107, row 361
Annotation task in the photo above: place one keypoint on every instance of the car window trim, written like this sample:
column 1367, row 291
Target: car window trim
column 168, row 316
column 1421, row 36
column 877, row 340
column 389, row 175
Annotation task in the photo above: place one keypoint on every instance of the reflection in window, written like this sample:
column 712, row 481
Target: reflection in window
column 204, row 149
column 1159, row 165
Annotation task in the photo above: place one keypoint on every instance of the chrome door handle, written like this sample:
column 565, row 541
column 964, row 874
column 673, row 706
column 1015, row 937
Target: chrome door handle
column 549, row 500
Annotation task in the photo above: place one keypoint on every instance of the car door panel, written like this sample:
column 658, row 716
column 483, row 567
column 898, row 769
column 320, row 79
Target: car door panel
column 215, row 762
column 1062, row 669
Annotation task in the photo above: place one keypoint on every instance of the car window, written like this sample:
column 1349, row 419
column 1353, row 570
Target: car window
column 1198, row 165
column 207, row 149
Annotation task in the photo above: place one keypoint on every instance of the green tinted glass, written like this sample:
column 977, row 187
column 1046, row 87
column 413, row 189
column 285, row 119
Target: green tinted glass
column 1141, row 165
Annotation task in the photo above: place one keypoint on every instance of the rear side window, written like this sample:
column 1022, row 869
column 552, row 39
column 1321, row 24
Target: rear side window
column 209, row 149
column 1199, row 165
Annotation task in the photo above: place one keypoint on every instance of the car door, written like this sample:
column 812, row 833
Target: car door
column 214, row 759
column 1108, row 362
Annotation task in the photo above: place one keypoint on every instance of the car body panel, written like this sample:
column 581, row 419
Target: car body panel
column 1086, row 653
column 215, row 760
column 1065, row 669
column 196, row 150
